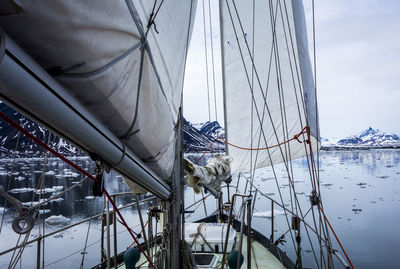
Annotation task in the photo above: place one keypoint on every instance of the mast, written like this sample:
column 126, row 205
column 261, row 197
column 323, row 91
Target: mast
column 223, row 72
column 174, row 208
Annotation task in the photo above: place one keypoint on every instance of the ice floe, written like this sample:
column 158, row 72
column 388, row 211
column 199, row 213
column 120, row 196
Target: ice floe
column 267, row 213
column 57, row 220
column 58, row 188
column 21, row 190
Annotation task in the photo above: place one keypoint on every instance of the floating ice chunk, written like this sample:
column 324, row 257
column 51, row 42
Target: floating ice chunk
column 34, row 203
column 44, row 211
column 267, row 214
column 58, row 188
column 57, row 220
column 19, row 178
column 45, row 190
column 382, row 176
column 89, row 197
column 21, row 190
column 50, row 173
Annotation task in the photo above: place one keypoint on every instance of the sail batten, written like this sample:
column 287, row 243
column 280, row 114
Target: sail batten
column 268, row 83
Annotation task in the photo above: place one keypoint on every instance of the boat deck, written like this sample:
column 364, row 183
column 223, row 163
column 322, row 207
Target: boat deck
column 260, row 258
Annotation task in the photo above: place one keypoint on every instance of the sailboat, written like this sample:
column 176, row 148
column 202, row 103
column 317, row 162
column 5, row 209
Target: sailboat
column 108, row 77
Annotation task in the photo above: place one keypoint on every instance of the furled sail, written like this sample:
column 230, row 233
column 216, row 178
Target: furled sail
column 122, row 60
column 268, row 83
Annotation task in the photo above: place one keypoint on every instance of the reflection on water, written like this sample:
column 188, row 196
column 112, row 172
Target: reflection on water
column 360, row 191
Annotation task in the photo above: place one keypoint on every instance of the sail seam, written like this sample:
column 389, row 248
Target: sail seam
column 103, row 68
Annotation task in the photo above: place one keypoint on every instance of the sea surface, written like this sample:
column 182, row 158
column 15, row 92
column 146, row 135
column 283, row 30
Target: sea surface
column 359, row 189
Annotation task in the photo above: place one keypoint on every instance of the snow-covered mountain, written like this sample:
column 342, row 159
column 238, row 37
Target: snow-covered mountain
column 368, row 138
column 212, row 129
column 26, row 147
column 198, row 137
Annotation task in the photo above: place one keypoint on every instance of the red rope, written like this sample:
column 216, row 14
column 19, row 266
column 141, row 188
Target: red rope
column 308, row 141
column 337, row 238
column 295, row 137
column 45, row 146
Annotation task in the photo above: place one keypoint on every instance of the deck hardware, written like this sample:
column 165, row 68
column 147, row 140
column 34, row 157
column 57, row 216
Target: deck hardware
column 23, row 223
column 314, row 198
column 296, row 223
column 98, row 186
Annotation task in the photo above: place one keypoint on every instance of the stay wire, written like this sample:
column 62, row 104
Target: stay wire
column 212, row 61
column 206, row 58
column 87, row 234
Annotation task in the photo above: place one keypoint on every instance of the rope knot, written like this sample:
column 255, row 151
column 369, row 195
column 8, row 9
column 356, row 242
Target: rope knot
column 297, row 137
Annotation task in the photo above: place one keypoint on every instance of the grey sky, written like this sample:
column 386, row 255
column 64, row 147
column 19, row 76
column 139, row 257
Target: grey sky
column 358, row 66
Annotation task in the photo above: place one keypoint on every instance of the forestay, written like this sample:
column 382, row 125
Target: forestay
column 268, row 83
column 98, row 51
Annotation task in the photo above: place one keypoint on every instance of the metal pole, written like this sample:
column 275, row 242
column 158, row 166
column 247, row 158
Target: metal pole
column 220, row 205
column 247, row 201
column 227, row 229
column 175, row 205
column 102, row 238
column 249, row 214
column 38, row 255
column 272, row 222
column 142, row 225
column 108, row 233
column 115, row 237
column 240, row 237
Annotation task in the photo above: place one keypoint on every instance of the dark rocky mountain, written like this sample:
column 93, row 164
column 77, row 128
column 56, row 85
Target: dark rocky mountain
column 195, row 139
column 212, row 129
column 26, row 148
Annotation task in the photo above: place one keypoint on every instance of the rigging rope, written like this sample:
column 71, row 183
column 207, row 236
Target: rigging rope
column 337, row 238
column 39, row 142
column 295, row 137
column 205, row 52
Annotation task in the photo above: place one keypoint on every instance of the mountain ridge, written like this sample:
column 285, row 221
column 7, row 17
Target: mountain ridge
column 365, row 139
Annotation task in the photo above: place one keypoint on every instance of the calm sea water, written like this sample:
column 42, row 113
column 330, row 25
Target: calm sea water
column 360, row 191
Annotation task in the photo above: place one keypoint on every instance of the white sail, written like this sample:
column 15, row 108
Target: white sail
column 94, row 49
column 268, row 82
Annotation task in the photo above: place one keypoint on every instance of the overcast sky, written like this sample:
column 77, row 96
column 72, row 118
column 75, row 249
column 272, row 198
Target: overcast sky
column 358, row 66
